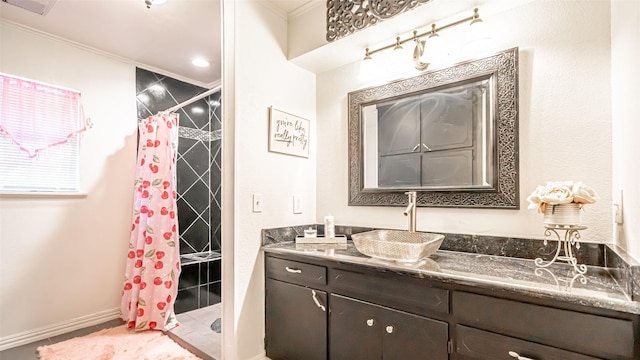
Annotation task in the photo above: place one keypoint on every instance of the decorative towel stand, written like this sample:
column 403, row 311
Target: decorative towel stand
column 567, row 236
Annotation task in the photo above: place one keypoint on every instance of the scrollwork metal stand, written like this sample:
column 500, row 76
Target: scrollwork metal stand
column 567, row 236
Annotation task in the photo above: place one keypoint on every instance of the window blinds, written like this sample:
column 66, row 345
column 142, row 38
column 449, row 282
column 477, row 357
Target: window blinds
column 39, row 146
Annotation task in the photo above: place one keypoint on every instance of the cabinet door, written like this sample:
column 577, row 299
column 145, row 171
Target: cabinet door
column 296, row 326
column 408, row 336
column 360, row 330
column 354, row 330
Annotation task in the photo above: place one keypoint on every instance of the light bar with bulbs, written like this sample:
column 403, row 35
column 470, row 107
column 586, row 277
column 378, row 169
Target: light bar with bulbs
column 474, row 23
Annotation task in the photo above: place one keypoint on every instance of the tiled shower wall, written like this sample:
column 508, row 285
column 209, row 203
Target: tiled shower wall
column 199, row 190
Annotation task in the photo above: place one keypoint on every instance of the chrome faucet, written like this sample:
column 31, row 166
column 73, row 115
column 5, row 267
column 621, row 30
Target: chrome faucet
column 410, row 211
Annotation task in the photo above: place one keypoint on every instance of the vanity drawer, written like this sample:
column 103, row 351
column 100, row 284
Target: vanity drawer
column 396, row 291
column 591, row 334
column 295, row 272
column 484, row 345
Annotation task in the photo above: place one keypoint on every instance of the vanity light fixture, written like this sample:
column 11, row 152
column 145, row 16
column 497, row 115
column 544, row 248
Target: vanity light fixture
column 434, row 42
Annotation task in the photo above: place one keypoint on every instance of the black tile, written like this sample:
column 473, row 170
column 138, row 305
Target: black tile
column 218, row 155
column 181, row 90
column 215, row 211
column 196, row 115
column 186, row 300
column 215, row 273
column 198, row 198
column 204, row 273
column 197, row 157
column 215, row 293
column 185, row 144
column 189, row 276
column 197, row 235
column 156, row 98
column 216, row 236
column 203, row 296
column 186, row 216
column 144, row 79
column 143, row 111
column 185, row 176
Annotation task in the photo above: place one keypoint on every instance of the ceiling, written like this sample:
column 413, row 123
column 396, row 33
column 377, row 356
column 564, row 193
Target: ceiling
column 163, row 38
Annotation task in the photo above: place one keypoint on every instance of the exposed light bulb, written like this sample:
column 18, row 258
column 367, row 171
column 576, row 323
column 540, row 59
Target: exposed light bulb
column 478, row 36
column 435, row 50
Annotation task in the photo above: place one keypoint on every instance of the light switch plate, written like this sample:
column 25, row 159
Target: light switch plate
column 297, row 204
column 257, row 203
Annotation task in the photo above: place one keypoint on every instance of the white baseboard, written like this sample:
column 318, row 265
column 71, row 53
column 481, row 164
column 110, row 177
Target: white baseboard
column 27, row 337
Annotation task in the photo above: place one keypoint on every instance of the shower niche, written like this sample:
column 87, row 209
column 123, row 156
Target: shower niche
column 198, row 183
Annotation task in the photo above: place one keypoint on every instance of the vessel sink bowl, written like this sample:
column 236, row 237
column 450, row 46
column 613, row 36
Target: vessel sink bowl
column 397, row 245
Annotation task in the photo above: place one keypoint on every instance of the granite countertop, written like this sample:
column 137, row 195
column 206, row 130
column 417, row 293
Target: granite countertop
column 596, row 288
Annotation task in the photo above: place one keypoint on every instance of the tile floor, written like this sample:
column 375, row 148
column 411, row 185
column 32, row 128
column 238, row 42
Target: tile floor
column 194, row 334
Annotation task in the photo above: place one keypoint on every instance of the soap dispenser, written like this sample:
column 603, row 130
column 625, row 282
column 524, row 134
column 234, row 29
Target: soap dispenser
column 329, row 227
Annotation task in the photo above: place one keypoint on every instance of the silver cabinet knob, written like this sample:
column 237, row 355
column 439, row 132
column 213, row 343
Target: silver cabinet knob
column 389, row 329
column 370, row 322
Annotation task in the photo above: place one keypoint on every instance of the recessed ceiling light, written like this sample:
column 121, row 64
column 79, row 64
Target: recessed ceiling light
column 200, row 62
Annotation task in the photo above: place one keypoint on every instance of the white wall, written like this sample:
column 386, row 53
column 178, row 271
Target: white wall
column 62, row 259
column 565, row 122
column 625, row 52
column 264, row 77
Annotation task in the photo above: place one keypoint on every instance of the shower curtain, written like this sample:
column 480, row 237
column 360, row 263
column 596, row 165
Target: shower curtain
column 153, row 259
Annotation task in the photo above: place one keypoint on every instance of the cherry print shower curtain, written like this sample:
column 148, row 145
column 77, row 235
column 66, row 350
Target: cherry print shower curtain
column 153, row 259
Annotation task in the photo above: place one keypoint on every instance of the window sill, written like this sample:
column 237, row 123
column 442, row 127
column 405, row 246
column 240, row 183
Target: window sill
column 44, row 194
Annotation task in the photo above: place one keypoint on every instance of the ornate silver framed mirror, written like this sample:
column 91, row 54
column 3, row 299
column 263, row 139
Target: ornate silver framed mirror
column 451, row 135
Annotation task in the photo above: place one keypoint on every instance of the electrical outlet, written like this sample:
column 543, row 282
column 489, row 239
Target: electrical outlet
column 297, row 204
column 257, row 203
column 617, row 208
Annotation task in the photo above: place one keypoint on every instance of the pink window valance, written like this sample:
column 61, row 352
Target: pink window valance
column 36, row 116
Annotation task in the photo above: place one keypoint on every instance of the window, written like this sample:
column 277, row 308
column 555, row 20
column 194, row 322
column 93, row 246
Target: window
column 39, row 142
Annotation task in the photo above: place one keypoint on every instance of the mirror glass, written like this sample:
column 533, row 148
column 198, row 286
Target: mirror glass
column 450, row 135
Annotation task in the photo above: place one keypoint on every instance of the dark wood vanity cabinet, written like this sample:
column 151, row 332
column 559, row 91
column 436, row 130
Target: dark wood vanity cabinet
column 372, row 313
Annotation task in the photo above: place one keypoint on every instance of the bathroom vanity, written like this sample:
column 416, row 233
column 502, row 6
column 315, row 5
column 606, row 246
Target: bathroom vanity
column 326, row 303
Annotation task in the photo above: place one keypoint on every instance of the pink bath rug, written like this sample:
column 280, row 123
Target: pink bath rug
column 118, row 343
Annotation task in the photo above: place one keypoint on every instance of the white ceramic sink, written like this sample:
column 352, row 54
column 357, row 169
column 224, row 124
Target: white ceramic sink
column 397, row 245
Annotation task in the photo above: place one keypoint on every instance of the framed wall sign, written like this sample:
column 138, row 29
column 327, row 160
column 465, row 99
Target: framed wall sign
column 288, row 134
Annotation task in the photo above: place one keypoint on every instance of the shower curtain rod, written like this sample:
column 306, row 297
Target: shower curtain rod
column 193, row 99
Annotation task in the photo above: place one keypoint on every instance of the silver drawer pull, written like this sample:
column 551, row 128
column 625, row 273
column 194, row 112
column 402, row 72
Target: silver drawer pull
column 389, row 329
column 315, row 300
column 514, row 354
column 415, row 148
column 370, row 322
column 293, row 271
